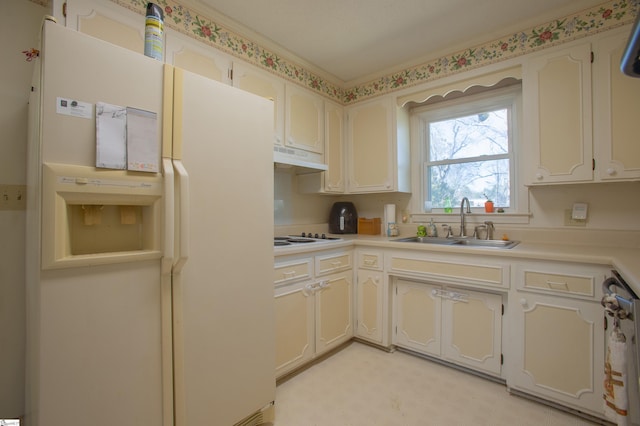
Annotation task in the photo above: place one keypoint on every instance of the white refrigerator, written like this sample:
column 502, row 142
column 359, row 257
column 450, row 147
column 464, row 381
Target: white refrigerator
column 149, row 298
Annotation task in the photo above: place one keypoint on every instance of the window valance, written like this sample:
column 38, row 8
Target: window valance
column 485, row 80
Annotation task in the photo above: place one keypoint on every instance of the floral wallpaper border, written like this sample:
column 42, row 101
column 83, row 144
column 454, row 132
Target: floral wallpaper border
column 609, row 15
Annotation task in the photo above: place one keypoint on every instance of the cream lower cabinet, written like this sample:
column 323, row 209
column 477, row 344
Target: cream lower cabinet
column 371, row 314
column 370, row 305
column 560, row 350
column 558, row 334
column 313, row 311
column 295, row 322
column 455, row 324
column 334, row 314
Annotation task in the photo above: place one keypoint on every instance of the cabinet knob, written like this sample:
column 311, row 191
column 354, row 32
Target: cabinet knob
column 611, row 171
column 523, row 302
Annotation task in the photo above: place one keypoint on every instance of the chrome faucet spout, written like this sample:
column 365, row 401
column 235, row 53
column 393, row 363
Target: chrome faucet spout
column 462, row 215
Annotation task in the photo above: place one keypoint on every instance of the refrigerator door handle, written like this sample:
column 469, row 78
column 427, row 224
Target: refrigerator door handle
column 169, row 216
column 183, row 215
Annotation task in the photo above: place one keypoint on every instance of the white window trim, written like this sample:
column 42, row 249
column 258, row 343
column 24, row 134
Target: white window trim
column 518, row 213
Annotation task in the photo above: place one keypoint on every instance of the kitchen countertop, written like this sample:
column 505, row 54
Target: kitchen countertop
column 626, row 260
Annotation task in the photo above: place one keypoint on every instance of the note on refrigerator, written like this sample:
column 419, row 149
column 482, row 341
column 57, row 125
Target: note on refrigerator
column 143, row 145
column 111, row 136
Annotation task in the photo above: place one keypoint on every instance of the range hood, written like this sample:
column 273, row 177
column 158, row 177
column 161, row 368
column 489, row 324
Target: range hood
column 301, row 166
column 630, row 64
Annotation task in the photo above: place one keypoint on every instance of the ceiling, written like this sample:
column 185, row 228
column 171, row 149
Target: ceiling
column 352, row 40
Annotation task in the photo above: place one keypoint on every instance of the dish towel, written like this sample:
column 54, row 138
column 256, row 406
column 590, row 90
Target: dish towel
column 616, row 400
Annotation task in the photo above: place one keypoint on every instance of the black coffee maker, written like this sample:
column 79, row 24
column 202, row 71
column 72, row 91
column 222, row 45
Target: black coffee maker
column 343, row 218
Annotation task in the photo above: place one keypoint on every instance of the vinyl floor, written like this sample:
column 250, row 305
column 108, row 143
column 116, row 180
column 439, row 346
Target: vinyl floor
column 364, row 386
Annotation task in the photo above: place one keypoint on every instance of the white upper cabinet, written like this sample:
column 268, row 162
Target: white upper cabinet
column 580, row 116
column 334, row 147
column 104, row 20
column 304, row 122
column 251, row 79
column 191, row 55
column 616, row 111
column 125, row 28
column 557, row 111
column 378, row 147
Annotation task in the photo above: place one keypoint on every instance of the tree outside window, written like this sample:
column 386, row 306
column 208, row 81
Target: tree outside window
column 468, row 153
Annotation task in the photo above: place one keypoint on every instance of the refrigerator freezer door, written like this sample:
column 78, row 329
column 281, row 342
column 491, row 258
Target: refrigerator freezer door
column 97, row 329
column 223, row 297
column 88, row 70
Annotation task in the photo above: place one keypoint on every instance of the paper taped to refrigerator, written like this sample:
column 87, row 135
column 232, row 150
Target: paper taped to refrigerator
column 111, row 136
column 143, row 147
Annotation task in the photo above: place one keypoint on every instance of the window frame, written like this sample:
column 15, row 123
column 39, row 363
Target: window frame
column 508, row 97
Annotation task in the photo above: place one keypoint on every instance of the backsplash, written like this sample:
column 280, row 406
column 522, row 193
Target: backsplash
column 612, row 206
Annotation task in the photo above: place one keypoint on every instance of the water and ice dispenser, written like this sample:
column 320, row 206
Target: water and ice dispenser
column 95, row 216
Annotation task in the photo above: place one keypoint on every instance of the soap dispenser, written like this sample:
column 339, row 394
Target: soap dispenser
column 432, row 231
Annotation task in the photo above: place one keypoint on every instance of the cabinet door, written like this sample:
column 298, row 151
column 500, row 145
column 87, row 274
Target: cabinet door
column 107, row 21
column 304, row 122
column 557, row 111
column 616, row 110
column 191, row 55
column 334, row 323
column 560, row 350
column 259, row 83
column 418, row 317
column 371, row 147
column 294, row 327
column 334, row 147
column 472, row 332
column 369, row 310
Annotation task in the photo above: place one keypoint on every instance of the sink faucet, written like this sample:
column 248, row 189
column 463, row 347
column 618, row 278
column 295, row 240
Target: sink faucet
column 462, row 213
column 490, row 229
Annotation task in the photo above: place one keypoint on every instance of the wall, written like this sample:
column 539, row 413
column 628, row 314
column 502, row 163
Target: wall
column 19, row 26
column 612, row 206
column 294, row 208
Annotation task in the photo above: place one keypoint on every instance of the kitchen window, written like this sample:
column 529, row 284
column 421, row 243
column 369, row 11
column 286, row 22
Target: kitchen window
column 466, row 148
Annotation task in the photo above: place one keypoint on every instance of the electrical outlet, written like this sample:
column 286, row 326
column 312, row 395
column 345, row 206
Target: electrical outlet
column 570, row 221
column 13, row 197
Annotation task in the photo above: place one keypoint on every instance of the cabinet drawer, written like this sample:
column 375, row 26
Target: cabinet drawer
column 370, row 260
column 332, row 263
column 560, row 283
column 292, row 271
column 450, row 271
